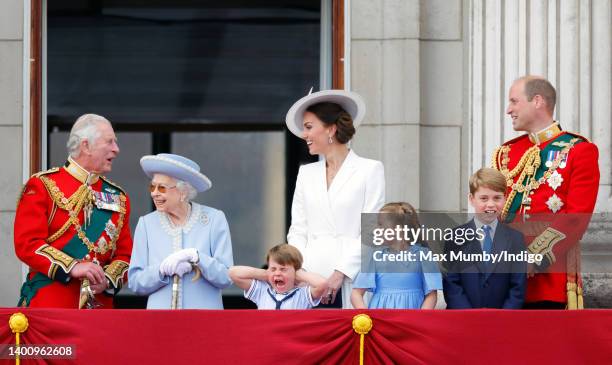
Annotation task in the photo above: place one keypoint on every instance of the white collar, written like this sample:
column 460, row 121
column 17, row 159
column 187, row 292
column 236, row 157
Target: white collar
column 172, row 230
column 479, row 224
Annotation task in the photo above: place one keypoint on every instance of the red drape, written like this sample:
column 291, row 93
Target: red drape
column 319, row 336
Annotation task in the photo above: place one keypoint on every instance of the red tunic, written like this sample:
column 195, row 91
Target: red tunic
column 576, row 193
column 41, row 214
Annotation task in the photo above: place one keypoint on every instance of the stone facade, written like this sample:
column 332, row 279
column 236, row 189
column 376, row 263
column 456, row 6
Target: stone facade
column 437, row 107
column 11, row 142
column 435, row 75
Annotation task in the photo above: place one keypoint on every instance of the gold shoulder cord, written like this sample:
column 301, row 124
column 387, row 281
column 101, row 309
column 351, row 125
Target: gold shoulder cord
column 74, row 205
column 528, row 165
column 495, row 159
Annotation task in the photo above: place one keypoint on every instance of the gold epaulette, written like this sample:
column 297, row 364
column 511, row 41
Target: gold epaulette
column 579, row 136
column 113, row 184
column 36, row 175
column 516, row 139
column 46, row 172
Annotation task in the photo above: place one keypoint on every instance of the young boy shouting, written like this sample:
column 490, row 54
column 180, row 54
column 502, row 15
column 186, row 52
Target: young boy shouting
column 276, row 287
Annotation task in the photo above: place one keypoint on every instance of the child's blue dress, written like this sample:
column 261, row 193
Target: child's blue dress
column 400, row 285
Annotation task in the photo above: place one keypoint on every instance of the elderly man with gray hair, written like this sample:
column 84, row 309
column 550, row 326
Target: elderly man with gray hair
column 72, row 225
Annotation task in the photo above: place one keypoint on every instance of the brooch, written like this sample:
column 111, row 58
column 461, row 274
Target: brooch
column 204, row 218
column 554, row 203
column 554, row 180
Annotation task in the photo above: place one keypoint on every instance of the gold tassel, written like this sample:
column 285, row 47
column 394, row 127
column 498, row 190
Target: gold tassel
column 19, row 324
column 572, row 298
column 580, row 298
column 362, row 324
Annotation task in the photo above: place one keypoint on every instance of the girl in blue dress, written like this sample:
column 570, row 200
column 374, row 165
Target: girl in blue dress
column 409, row 284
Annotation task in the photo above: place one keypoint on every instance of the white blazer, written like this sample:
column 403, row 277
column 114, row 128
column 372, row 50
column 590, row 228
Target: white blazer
column 326, row 224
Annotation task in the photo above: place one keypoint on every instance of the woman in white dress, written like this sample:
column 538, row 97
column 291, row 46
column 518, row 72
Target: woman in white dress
column 183, row 250
column 331, row 194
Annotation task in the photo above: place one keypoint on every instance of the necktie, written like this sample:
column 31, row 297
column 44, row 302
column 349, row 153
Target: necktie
column 487, row 244
column 280, row 302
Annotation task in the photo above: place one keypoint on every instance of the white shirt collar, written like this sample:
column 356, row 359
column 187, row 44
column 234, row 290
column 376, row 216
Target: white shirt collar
column 493, row 225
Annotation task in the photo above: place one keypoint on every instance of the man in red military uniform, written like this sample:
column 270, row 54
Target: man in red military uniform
column 72, row 225
column 553, row 178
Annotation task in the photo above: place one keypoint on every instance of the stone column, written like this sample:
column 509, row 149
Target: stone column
column 384, row 69
column 442, row 76
column 406, row 59
column 11, row 145
column 567, row 42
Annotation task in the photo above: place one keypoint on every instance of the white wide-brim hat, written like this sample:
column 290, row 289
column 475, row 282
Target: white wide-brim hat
column 350, row 101
column 177, row 167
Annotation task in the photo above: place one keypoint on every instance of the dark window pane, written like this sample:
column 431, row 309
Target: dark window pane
column 193, row 62
column 248, row 176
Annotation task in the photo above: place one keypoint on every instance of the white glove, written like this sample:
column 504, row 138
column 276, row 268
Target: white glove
column 183, row 268
column 169, row 265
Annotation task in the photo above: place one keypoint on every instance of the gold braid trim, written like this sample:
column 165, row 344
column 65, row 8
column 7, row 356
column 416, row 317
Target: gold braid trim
column 544, row 243
column 115, row 271
column 519, row 168
column 494, row 159
column 74, row 205
column 57, row 258
column 528, row 165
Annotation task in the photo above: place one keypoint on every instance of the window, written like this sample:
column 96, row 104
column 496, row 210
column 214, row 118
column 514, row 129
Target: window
column 207, row 79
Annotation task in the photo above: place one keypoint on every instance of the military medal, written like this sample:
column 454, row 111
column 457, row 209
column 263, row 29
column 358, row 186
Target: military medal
column 107, row 201
column 554, row 203
column 563, row 162
column 554, row 180
column 110, row 229
column 552, row 155
column 103, row 245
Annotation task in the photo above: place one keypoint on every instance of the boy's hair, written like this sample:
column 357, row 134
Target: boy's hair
column 285, row 254
column 488, row 178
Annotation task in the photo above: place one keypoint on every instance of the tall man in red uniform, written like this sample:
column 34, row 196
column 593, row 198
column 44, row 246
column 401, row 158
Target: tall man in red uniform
column 72, row 225
column 553, row 178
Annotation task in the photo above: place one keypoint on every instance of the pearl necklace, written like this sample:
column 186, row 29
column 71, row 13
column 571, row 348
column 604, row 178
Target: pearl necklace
column 174, row 225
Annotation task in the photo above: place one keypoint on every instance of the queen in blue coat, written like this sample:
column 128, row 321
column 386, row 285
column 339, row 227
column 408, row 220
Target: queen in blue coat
column 183, row 250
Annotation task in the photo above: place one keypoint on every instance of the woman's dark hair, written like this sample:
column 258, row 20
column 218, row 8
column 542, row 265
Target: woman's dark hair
column 332, row 113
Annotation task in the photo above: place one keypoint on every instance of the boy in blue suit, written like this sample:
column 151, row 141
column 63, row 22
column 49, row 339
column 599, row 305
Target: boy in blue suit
column 486, row 284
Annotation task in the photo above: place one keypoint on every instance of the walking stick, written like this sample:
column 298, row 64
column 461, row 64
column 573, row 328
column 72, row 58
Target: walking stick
column 175, row 291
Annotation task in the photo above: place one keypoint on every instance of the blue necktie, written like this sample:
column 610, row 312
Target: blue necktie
column 487, row 244
column 280, row 302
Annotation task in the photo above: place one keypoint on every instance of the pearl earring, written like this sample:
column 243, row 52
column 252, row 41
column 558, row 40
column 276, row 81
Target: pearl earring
column 330, row 140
